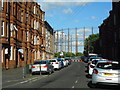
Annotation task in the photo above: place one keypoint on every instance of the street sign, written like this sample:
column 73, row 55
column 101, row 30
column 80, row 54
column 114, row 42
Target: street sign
column 61, row 53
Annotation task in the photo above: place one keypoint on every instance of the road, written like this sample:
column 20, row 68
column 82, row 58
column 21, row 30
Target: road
column 73, row 76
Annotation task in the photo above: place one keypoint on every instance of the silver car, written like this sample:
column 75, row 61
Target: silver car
column 106, row 72
column 43, row 66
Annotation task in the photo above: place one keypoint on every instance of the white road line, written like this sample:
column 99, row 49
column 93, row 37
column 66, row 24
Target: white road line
column 24, row 81
column 34, row 80
column 73, row 86
column 76, row 81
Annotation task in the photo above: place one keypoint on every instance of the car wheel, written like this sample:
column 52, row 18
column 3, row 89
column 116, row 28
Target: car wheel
column 32, row 73
column 50, row 72
column 91, row 85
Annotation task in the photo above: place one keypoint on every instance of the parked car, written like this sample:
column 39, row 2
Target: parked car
column 90, row 60
column 68, row 61
column 65, row 62
column 43, row 66
column 61, row 62
column 55, row 63
column 106, row 72
column 92, row 65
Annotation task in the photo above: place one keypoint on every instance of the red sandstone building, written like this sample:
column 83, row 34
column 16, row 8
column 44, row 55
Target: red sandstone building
column 110, row 34
column 22, row 34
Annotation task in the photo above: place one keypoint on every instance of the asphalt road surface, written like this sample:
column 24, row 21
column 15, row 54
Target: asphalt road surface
column 73, row 76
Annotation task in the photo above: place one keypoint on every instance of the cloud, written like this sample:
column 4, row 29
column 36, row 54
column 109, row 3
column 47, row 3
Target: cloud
column 76, row 21
column 53, row 4
column 67, row 11
column 87, row 30
column 49, row 15
column 77, row 0
column 93, row 18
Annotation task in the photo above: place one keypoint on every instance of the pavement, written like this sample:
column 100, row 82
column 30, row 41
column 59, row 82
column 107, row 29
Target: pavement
column 15, row 75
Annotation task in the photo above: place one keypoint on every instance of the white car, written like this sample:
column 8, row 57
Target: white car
column 55, row 63
column 43, row 66
column 92, row 65
column 106, row 72
column 64, row 62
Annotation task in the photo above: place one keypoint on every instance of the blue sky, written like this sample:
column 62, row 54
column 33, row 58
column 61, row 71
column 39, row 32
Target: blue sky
column 72, row 15
column 62, row 15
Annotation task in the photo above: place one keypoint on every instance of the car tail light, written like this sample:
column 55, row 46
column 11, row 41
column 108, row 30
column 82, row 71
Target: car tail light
column 91, row 66
column 56, row 63
column 109, row 61
column 45, row 66
column 33, row 67
column 95, row 71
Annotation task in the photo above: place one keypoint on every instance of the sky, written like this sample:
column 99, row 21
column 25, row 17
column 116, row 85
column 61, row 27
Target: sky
column 62, row 14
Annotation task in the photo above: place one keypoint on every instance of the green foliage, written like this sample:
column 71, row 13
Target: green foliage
column 65, row 54
column 79, row 54
column 90, row 44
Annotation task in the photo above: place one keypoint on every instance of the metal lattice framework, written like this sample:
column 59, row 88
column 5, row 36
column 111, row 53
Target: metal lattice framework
column 72, row 39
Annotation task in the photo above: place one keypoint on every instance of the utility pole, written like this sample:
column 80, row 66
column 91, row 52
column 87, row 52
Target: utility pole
column 84, row 35
column 62, row 41
column 65, row 42
column 92, row 31
column 57, row 43
column 76, row 41
column 68, row 39
column 71, row 43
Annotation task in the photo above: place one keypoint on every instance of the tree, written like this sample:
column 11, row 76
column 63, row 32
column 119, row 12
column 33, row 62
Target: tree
column 90, row 44
column 65, row 54
column 79, row 54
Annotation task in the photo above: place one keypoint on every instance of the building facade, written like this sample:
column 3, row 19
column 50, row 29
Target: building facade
column 110, row 34
column 49, row 41
column 22, row 33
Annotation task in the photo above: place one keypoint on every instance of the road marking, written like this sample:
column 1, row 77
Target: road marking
column 24, row 81
column 28, row 80
column 76, row 81
column 73, row 86
column 34, row 80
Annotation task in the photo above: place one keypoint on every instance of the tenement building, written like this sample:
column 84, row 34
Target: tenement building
column 110, row 34
column 49, row 41
column 22, row 34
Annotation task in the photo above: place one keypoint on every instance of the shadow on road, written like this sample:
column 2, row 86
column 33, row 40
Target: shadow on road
column 88, row 76
column 102, row 86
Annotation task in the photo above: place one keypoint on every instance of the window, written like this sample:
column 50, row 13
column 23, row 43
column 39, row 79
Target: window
column 35, row 40
column 114, row 19
column 42, row 30
column 27, row 36
column 34, row 9
column 2, row 2
column 2, row 28
column 7, row 29
column 119, row 34
column 34, row 24
column 115, row 37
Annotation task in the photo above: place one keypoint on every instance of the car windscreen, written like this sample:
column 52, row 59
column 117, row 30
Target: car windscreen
column 108, row 65
column 94, row 62
column 52, row 60
column 59, row 59
column 95, row 58
column 40, row 62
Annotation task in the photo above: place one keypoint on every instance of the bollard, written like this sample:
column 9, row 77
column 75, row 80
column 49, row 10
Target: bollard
column 40, row 69
column 23, row 72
